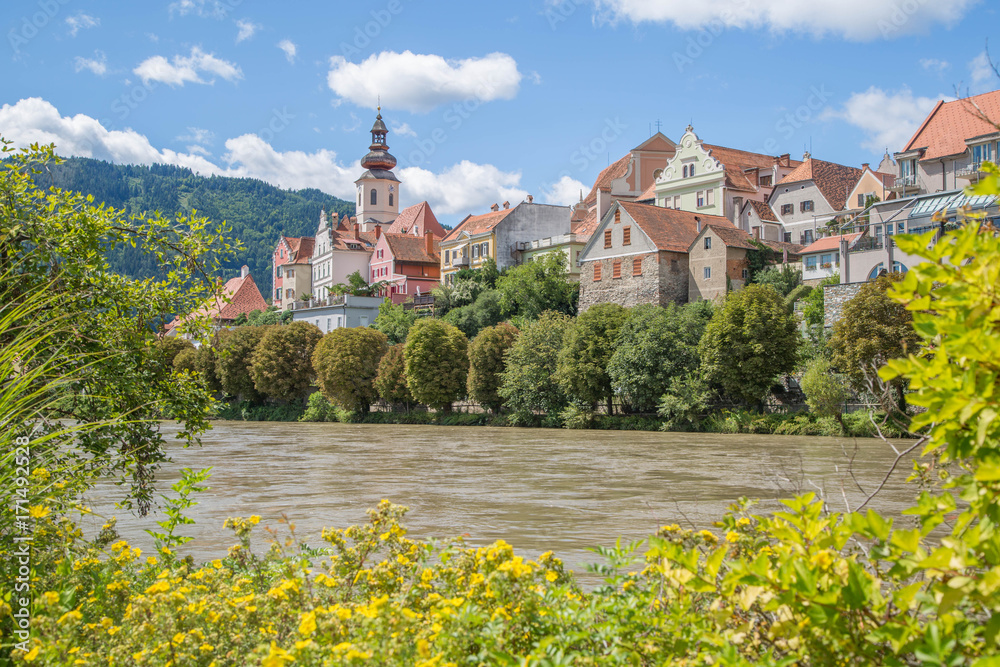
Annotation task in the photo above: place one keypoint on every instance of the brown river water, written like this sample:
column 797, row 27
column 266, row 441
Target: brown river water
column 538, row 489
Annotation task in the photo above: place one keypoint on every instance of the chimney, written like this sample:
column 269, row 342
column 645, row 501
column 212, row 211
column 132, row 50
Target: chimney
column 357, row 231
column 495, row 208
column 378, row 232
column 506, row 205
column 532, row 199
column 429, row 243
column 244, row 271
column 806, row 156
column 864, row 165
column 756, row 232
column 697, row 221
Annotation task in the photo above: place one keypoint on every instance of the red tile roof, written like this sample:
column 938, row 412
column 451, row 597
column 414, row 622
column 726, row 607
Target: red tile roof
column 613, row 171
column 649, row 194
column 949, row 124
column 737, row 238
column 416, row 220
column 735, row 161
column 478, row 224
column 343, row 240
column 668, row 228
column 586, row 227
column 828, row 243
column 764, row 211
column 300, row 249
column 243, row 298
column 407, row 248
column 834, row 180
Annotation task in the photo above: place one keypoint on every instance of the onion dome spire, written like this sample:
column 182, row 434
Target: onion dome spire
column 378, row 153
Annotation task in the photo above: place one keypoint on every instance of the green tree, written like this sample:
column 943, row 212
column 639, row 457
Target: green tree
column 749, row 342
column 487, row 352
column 57, row 241
column 390, row 382
column 185, row 360
column 873, row 328
column 394, row 321
column 759, row 259
column 528, row 290
column 234, row 363
column 529, row 382
column 783, row 278
column 282, row 362
column 587, row 349
column 473, row 318
column 814, row 310
column 206, row 361
column 170, row 346
column 825, row 391
column 346, row 363
column 356, row 285
column 437, row 363
column 655, row 345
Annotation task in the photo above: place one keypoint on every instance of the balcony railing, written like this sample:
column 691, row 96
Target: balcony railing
column 905, row 183
column 973, row 172
column 866, row 243
column 334, row 300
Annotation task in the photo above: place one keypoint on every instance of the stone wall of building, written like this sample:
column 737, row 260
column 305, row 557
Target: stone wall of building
column 664, row 279
column 834, row 298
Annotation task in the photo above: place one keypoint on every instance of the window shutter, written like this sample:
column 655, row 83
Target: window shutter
column 597, row 271
column 626, row 236
column 618, row 216
column 637, row 266
column 616, row 269
column 607, row 238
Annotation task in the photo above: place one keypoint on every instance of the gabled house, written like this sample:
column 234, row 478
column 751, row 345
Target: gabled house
column 873, row 185
column 411, row 265
column 639, row 254
column 715, row 180
column 416, row 220
column 821, row 259
column 340, row 248
column 291, row 273
column 501, row 234
column 948, row 149
column 718, row 259
column 813, row 194
column 239, row 296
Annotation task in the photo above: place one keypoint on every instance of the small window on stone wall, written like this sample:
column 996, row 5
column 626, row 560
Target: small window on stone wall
column 597, row 271
column 637, row 266
column 616, row 269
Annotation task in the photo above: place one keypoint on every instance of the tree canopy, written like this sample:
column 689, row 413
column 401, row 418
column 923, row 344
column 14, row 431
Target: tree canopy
column 282, row 362
column 346, row 363
column 437, row 363
column 586, row 351
column 487, row 353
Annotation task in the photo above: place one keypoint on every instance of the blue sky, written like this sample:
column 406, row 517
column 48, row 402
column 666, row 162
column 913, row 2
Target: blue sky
column 485, row 101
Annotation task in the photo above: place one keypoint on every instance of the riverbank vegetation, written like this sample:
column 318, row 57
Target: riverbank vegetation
column 806, row 585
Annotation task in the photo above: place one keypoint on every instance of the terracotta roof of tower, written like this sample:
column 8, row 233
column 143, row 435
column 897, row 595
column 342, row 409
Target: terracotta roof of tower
column 478, row 224
column 611, row 172
column 764, row 211
column 243, row 298
column 949, row 124
column 834, row 180
column 737, row 238
column 418, row 217
column 668, row 228
column 407, row 248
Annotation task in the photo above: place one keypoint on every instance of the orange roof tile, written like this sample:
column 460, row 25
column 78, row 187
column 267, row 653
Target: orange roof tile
column 416, row 220
column 407, row 248
column 834, row 180
column 478, row 224
column 828, row 243
column 649, row 194
column 735, row 161
column 613, row 171
column 764, row 211
column 586, row 227
column 668, row 228
column 299, row 248
column 949, row 124
column 243, row 298
column 737, row 238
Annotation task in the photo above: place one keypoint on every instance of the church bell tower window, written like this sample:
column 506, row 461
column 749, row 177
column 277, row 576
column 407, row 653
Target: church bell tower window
column 374, row 197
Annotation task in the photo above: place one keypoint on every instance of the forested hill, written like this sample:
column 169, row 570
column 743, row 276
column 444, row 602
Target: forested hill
column 257, row 212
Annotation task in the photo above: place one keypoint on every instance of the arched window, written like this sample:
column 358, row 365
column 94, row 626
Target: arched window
column 691, row 171
column 390, row 199
column 374, row 201
column 657, row 174
column 898, row 267
column 685, row 171
column 877, row 269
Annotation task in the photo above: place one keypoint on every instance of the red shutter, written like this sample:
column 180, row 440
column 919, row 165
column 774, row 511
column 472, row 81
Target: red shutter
column 597, row 271
column 637, row 266
column 616, row 269
column 607, row 238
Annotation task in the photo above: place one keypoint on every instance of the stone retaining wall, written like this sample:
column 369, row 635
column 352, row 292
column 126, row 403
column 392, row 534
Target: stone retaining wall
column 834, row 298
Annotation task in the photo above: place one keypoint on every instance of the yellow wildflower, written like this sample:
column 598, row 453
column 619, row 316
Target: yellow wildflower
column 37, row 511
column 732, row 536
column 31, row 655
column 308, row 624
column 51, row 597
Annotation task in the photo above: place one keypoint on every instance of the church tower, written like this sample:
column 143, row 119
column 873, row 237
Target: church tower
column 378, row 187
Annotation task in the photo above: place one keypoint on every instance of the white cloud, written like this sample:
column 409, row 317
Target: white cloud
column 564, row 192
column 463, row 188
column 98, row 64
column 981, row 70
column 421, row 82
column 934, row 65
column 198, row 135
column 288, row 46
column 403, row 130
column 851, row 19
column 198, row 150
column 246, row 29
column 888, row 119
column 217, row 9
column 81, row 21
column 187, row 68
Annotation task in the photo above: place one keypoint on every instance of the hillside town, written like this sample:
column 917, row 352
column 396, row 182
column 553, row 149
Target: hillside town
column 669, row 222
